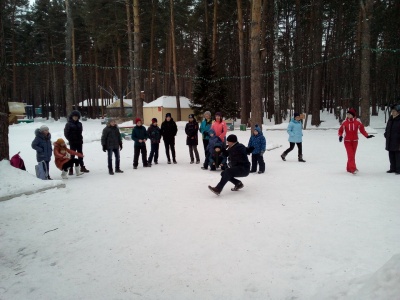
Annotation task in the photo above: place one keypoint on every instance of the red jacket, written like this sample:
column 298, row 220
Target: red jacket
column 61, row 155
column 351, row 127
column 220, row 129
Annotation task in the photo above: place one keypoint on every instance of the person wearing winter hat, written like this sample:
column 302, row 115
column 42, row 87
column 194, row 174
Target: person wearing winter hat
column 140, row 136
column 154, row 133
column 295, row 131
column 111, row 142
column 64, row 160
column 220, row 128
column 212, row 141
column 258, row 142
column 191, row 130
column 168, row 132
column 73, row 133
column 350, row 128
column 239, row 165
column 42, row 145
column 392, row 136
column 217, row 158
column 205, row 126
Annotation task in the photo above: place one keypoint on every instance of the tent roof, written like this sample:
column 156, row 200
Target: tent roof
column 168, row 102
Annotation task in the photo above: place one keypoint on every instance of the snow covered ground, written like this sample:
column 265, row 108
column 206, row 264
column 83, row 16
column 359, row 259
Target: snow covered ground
column 299, row 231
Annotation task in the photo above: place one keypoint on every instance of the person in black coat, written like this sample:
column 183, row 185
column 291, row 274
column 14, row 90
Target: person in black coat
column 168, row 132
column 112, row 143
column 239, row 165
column 192, row 139
column 73, row 133
column 154, row 133
column 392, row 135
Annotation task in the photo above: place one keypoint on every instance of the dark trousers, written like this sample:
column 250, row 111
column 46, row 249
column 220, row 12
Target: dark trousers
column 207, row 154
column 257, row 158
column 394, row 158
column 117, row 158
column 170, row 144
column 299, row 147
column 77, row 148
column 140, row 150
column 70, row 164
column 193, row 148
column 153, row 152
column 230, row 174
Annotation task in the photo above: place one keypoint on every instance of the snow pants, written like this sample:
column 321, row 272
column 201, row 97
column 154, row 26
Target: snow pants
column 230, row 174
column 351, row 149
column 257, row 159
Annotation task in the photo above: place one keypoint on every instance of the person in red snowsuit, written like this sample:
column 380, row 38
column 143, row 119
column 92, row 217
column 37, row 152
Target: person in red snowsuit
column 350, row 127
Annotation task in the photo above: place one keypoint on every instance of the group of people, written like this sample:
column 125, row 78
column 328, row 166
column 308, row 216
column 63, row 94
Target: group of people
column 64, row 157
column 221, row 152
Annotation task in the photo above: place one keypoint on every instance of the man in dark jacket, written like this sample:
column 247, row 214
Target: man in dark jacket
column 140, row 136
column 112, row 142
column 73, row 133
column 168, row 132
column 392, row 135
column 239, row 165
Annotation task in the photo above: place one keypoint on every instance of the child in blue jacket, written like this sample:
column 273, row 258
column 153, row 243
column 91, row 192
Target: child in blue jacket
column 212, row 141
column 258, row 142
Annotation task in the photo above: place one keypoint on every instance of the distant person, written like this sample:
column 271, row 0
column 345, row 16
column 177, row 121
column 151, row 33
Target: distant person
column 392, row 135
column 350, row 128
column 42, row 145
column 111, row 142
column 212, row 141
column 192, row 140
column 217, row 158
column 205, row 126
column 154, row 133
column 73, row 133
column 168, row 132
column 257, row 140
column 220, row 128
column 139, row 136
column 64, row 160
column 239, row 165
column 295, row 131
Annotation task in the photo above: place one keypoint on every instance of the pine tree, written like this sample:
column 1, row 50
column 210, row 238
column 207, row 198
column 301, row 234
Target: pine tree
column 209, row 92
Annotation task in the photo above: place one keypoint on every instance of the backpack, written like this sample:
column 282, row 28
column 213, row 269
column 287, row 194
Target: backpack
column 17, row 162
column 41, row 170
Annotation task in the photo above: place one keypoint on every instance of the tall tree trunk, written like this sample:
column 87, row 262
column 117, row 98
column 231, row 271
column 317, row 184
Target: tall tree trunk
column 68, row 58
column 136, row 38
column 131, row 65
column 317, row 74
column 173, row 46
column 206, row 16
column 150, row 94
column 256, row 101
column 56, row 99
column 215, row 32
column 277, row 103
column 366, row 15
column 120, row 88
column 74, row 72
column 243, row 105
column 4, row 145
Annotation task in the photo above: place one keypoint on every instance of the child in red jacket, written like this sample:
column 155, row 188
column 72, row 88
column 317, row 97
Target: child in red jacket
column 350, row 127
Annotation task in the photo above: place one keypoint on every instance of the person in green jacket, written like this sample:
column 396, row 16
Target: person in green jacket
column 140, row 136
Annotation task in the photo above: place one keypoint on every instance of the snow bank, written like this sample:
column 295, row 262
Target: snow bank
column 15, row 182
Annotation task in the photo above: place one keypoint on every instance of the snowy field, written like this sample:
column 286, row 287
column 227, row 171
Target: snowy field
column 299, row 231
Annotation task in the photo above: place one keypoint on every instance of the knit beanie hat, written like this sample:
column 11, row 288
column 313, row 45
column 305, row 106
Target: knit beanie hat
column 154, row 120
column 60, row 141
column 44, row 128
column 232, row 138
column 138, row 120
column 296, row 115
column 207, row 113
column 191, row 116
column 353, row 112
column 218, row 114
column 168, row 115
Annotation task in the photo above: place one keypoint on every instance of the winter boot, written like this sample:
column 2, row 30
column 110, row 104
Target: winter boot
column 118, row 171
column 237, row 187
column 174, row 161
column 64, row 174
column 110, row 171
column 84, row 170
column 283, row 156
column 301, row 158
column 48, row 178
column 78, row 171
column 71, row 171
column 214, row 190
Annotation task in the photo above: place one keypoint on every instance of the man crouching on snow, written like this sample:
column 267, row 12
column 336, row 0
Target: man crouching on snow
column 239, row 165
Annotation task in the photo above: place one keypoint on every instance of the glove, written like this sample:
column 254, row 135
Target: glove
column 340, row 139
column 249, row 150
column 370, row 136
column 120, row 146
column 104, row 149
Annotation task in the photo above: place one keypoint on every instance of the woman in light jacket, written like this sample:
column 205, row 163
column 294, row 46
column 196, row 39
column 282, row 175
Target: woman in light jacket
column 295, row 131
